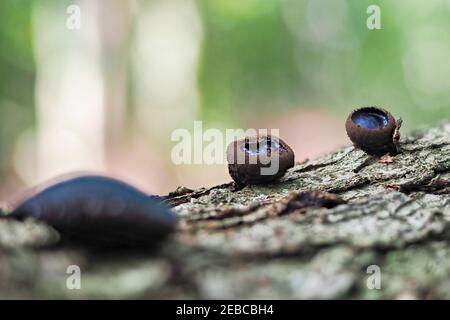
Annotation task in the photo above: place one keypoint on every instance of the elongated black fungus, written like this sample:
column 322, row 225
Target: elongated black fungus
column 100, row 211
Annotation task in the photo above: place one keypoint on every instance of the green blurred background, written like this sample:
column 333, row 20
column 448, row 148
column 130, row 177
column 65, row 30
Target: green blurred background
column 106, row 97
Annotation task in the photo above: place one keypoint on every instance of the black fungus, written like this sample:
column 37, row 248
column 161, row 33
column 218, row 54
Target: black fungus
column 100, row 211
column 373, row 130
column 258, row 160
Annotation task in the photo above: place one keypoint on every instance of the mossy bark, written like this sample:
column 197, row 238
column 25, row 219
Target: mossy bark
column 247, row 244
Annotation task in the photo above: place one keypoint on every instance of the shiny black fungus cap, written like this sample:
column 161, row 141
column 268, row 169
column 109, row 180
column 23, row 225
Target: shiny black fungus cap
column 373, row 130
column 101, row 212
column 250, row 159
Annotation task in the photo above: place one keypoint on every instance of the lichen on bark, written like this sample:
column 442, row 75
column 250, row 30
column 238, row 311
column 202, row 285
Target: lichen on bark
column 394, row 213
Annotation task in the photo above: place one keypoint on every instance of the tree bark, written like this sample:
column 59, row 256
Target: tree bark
column 323, row 231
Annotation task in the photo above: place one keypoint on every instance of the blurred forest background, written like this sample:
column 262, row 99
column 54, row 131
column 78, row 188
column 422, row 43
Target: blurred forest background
column 105, row 98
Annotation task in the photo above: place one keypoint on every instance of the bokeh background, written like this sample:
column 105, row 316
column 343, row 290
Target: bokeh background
column 105, row 98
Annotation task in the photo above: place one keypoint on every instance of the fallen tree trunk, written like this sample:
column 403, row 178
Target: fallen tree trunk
column 390, row 217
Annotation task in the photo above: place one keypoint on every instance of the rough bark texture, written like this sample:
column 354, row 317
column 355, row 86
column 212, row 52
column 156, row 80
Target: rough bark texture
column 263, row 242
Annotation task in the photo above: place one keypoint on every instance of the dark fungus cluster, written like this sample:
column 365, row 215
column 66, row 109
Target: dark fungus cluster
column 104, row 212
